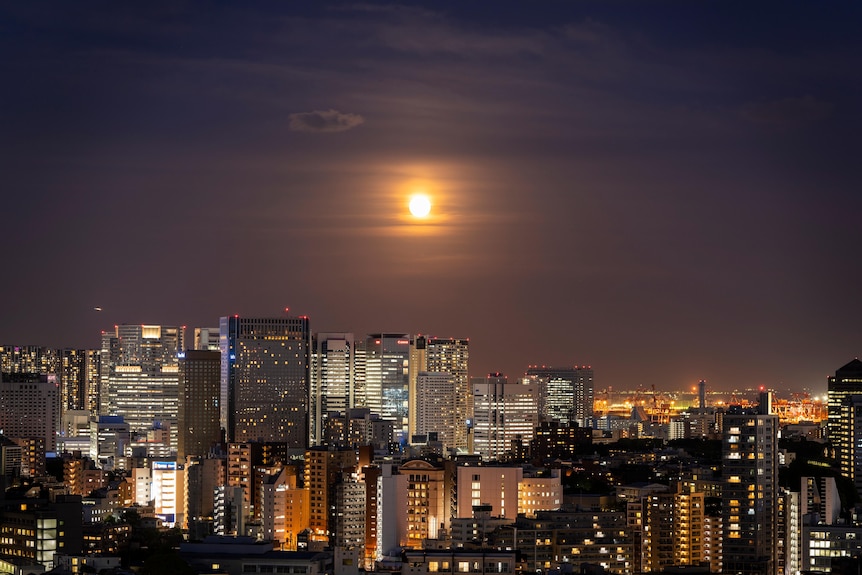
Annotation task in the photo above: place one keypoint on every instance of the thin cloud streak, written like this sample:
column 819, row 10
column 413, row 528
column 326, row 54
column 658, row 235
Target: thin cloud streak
column 323, row 121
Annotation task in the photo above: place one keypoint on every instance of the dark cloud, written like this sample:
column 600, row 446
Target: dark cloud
column 324, row 121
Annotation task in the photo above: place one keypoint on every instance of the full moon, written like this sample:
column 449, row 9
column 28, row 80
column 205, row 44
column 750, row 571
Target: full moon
column 420, row 206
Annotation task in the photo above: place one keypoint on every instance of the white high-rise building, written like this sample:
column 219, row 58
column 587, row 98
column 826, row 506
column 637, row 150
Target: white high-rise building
column 503, row 412
column 386, row 381
column 435, row 406
column 168, row 491
column 333, row 361
column 30, row 407
column 442, row 355
column 391, row 509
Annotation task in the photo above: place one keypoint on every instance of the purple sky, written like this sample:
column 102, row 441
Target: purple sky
column 667, row 191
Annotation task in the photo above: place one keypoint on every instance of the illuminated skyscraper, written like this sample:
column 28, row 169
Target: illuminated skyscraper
column 750, row 491
column 78, row 372
column 503, row 412
column 265, row 379
column 847, row 381
column 387, row 357
column 140, row 375
column 566, row 392
column 846, row 436
column 442, row 355
column 333, row 361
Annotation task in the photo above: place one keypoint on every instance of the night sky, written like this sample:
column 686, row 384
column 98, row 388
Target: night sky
column 667, row 191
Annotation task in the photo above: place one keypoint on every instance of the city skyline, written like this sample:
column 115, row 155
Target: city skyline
column 664, row 191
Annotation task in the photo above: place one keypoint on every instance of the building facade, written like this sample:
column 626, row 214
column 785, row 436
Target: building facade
column 386, row 378
column 429, row 501
column 435, row 410
column 566, row 393
column 198, row 414
column 333, row 361
column 78, row 374
column 846, row 382
column 325, row 470
column 492, row 485
column 442, row 355
column 846, row 435
column 750, row 491
column 30, row 407
column 265, row 379
column 140, row 376
column 503, row 413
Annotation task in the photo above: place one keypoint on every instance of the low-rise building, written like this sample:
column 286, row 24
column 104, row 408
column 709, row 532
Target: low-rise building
column 244, row 555
column 424, row 562
column 75, row 564
column 555, row 538
column 32, row 530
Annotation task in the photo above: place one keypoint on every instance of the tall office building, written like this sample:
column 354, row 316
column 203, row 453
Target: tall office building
column 503, row 412
column 847, row 381
column 265, row 379
column 78, row 373
column 140, row 375
column 94, row 380
column 198, row 406
column 109, row 354
column 442, row 355
column 30, row 407
column 750, row 491
column 386, row 378
column 566, row 392
column 435, row 409
column 846, row 436
column 333, row 361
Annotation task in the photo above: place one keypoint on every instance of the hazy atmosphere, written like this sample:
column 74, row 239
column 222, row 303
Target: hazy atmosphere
column 667, row 191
